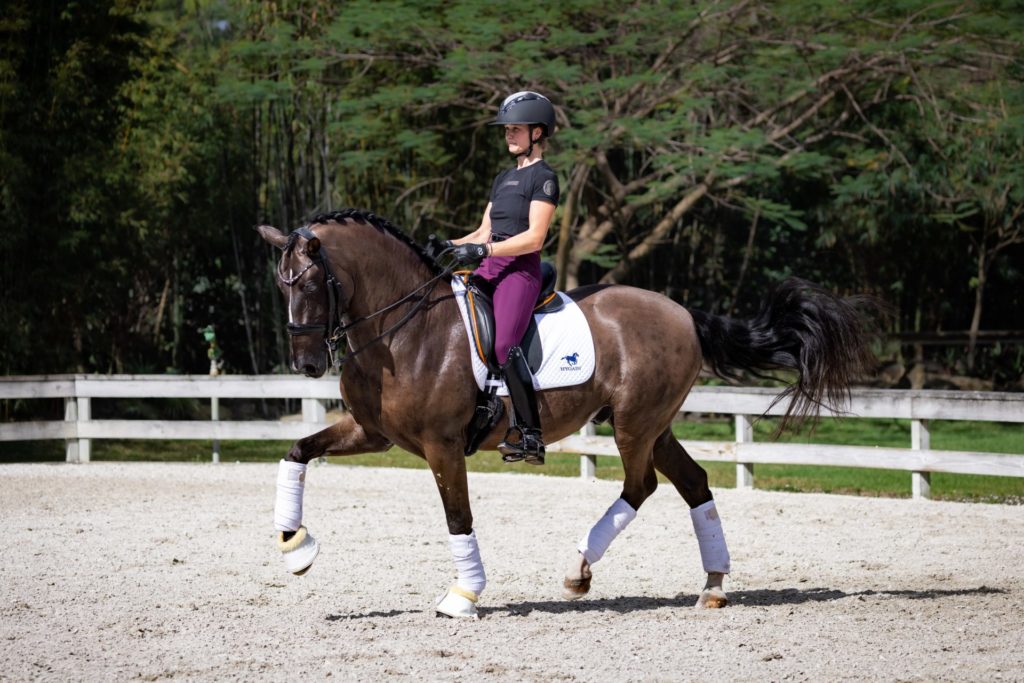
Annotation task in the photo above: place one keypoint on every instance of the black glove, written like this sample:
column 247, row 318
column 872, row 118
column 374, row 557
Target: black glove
column 468, row 254
column 435, row 246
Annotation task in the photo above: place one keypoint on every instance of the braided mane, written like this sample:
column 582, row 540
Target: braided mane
column 381, row 224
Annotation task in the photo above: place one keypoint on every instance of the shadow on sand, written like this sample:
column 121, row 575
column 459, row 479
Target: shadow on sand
column 372, row 615
column 754, row 598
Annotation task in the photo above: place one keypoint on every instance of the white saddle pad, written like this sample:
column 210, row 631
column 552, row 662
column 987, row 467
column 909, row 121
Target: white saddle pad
column 564, row 336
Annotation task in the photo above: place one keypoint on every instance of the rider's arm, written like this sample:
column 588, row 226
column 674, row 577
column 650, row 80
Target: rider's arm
column 481, row 235
column 532, row 240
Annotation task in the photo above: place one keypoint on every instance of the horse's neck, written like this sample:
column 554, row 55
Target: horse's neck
column 384, row 271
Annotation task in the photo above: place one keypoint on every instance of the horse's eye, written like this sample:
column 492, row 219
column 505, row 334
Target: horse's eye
column 309, row 287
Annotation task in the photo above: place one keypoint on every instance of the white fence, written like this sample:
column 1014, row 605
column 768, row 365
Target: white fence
column 78, row 428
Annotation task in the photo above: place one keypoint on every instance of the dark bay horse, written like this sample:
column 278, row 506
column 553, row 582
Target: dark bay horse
column 408, row 378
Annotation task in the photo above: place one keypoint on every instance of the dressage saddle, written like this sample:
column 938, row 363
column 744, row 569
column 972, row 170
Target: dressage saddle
column 481, row 308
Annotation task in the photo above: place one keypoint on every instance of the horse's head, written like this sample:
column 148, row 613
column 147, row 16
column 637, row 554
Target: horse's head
column 310, row 291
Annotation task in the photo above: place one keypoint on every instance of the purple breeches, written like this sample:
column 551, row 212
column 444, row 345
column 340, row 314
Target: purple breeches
column 516, row 282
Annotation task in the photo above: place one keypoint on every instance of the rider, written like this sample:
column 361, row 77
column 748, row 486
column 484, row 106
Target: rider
column 511, row 235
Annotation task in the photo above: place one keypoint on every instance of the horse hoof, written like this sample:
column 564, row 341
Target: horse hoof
column 299, row 551
column 712, row 598
column 574, row 589
column 457, row 603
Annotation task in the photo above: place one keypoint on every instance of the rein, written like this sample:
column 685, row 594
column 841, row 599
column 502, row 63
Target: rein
column 335, row 315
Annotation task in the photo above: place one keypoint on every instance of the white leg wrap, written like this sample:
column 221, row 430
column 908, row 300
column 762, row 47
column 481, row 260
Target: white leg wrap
column 291, row 480
column 466, row 554
column 708, row 527
column 601, row 535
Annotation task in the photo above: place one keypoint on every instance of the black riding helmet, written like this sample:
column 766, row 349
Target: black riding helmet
column 528, row 108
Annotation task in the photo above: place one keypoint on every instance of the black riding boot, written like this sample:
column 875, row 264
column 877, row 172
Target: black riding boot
column 529, row 445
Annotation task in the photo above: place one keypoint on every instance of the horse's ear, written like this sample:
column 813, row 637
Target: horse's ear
column 273, row 236
column 312, row 246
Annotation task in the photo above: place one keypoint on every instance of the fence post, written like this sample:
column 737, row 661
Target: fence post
column 313, row 410
column 77, row 410
column 588, row 463
column 744, row 434
column 84, row 415
column 214, row 417
column 920, row 440
column 71, row 415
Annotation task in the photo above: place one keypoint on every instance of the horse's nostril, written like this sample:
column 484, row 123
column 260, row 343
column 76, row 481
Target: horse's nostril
column 309, row 369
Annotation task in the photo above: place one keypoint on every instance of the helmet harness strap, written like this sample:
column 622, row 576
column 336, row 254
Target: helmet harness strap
column 529, row 134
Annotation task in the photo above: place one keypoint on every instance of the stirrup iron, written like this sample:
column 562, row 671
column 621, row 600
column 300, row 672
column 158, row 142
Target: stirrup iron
column 528, row 446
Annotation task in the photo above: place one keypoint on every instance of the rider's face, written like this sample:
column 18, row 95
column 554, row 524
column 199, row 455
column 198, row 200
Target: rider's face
column 517, row 137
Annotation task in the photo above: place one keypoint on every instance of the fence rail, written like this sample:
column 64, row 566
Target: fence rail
column 78, row 428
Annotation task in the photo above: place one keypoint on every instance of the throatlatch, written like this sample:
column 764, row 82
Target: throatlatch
column 524, row 423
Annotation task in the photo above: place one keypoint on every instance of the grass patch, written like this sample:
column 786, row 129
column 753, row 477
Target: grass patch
column 948, row 435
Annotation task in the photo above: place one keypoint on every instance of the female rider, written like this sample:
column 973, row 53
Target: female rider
column 509, row 239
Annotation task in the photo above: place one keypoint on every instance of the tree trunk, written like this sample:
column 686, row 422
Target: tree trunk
column 591, row 234
column 158, row 323
column 245, row 304
column 579, row 177
column 979, row 293
column 747, row 252
column 619, row 272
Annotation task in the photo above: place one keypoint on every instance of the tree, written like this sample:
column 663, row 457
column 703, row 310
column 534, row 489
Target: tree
column 62, row 69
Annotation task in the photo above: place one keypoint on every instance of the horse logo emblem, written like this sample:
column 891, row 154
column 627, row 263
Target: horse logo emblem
column 571, row 360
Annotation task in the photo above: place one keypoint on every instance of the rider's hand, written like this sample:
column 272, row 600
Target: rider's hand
column 436, row 246
column 468, row 254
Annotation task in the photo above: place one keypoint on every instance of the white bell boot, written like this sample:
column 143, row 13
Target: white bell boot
column 457, row 603
column 299, row 551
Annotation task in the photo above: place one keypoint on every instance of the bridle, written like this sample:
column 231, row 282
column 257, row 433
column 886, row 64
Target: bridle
column 335, row 314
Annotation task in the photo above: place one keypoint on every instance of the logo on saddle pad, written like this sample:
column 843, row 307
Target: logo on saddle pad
column 572, row 361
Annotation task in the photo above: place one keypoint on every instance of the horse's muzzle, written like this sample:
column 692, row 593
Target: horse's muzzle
column 313, row 370
column 310, row 365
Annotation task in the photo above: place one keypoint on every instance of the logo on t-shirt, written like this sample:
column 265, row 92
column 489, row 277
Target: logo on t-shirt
column 510, row 182
column 549, row 188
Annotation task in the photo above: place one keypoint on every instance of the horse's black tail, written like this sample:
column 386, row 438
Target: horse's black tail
column 826, row 339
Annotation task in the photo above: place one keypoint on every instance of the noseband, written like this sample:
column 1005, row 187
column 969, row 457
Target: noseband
column 334, row 315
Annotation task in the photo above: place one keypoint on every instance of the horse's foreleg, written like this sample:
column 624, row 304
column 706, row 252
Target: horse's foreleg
column 639, row 484
column 345, row 437
column 690, row 479
column 449, row 468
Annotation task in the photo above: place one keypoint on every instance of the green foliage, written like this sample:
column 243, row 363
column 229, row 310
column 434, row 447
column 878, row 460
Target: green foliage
column 870, row 146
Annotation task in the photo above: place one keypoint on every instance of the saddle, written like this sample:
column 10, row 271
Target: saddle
column 489, row 408
column 481, row 309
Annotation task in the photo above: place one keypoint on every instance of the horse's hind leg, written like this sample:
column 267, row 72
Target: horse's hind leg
column 640, row 482
column 690, row 479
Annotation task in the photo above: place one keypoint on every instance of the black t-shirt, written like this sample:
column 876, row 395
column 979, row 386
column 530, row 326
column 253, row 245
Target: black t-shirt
column 512, row 192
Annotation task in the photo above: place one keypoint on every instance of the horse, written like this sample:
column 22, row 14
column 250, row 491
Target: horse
column 407, row 381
